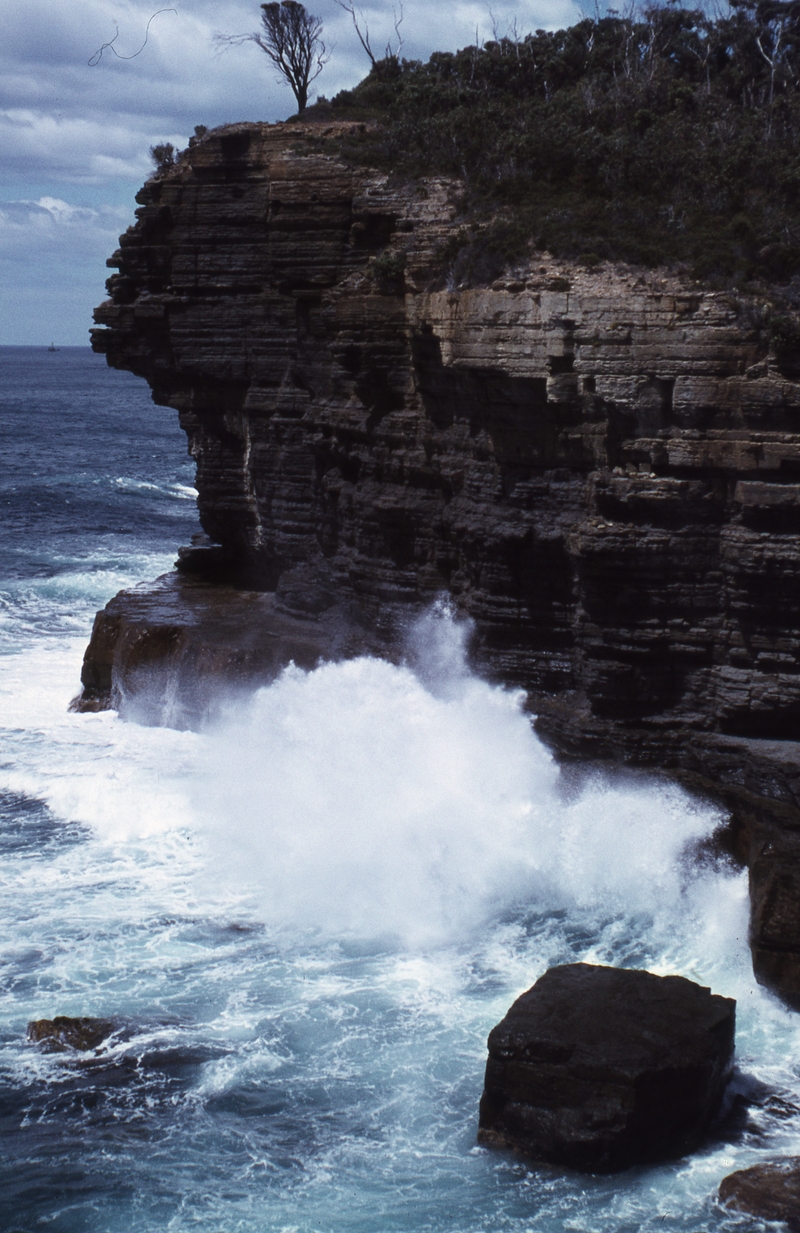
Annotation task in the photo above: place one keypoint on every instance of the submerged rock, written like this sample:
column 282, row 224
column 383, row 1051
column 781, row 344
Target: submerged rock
column 63, row 1033
column 600, row 1068
column 770, row 1191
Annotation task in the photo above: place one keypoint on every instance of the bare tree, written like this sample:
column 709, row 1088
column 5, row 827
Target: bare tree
column 292, row 39
column 511, row 35
column 776, row 33
column 509, row 42
column 392, row 49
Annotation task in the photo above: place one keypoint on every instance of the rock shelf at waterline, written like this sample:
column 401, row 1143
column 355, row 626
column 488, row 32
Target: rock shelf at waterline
column 601, row 1068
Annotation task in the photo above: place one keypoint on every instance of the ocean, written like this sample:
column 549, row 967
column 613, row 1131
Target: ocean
column 306, row 918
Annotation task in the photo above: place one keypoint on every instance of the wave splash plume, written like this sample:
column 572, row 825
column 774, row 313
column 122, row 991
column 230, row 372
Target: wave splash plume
column 416, row 803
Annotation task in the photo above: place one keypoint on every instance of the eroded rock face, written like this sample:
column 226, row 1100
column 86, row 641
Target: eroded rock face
column 63, row 1033
column 769, row 1191
column 601, row 1068
column 775, row 912
column 169, row 652
column 601, row 467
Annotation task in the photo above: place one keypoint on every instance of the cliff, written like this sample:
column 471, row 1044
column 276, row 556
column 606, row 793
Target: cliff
column 600, row 465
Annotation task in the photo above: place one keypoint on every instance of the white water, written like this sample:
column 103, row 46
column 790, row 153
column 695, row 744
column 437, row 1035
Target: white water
column 331, row 897
column 364, row 800
column 357, row 800
column 309, row 917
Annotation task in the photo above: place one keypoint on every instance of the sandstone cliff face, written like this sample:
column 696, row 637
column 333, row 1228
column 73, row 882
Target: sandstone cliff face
column 602, row 467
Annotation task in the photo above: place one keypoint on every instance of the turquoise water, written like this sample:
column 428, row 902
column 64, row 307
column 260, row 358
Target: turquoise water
column 307, row 918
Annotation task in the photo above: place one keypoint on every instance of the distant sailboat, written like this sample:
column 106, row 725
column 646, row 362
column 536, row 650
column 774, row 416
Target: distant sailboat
column 53, row 347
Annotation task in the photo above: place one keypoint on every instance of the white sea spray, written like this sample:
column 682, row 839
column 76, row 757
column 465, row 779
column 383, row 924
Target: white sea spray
column 307, row 918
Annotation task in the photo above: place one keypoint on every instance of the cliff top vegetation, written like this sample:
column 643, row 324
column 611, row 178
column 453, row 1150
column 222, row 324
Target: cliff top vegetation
column 667, row 137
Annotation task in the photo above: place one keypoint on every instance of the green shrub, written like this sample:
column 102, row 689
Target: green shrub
column 388, row 271
column 784, row 329
column 661, row 138
column 163, row 156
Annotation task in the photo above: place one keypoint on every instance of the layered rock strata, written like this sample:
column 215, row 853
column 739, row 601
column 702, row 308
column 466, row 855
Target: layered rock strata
column 601, row 1068
column 601, row 467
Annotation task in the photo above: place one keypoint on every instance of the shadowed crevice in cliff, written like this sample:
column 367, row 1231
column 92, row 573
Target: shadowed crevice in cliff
column 512, row 411
column 378, row 377
column 634, row 686
column 783, row 725
column 212, row 414
column 663, row 501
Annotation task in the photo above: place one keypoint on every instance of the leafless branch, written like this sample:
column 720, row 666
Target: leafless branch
column 512, row 37
column 98, row 55
column 363, row 34
column 398, row 21
column 772, row 61
column 392, row 50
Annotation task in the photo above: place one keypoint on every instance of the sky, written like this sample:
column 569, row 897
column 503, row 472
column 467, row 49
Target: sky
column 75, row 136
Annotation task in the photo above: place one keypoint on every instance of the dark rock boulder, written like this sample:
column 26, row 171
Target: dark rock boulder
column 601, row 1068
column 770, row 1191
column 63, row 1033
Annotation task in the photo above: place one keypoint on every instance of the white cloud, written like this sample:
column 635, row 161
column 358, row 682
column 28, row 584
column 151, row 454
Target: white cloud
column 76, row 149
column 76, row 133
column 52, row 266
column 55, row 223
column 60, row 116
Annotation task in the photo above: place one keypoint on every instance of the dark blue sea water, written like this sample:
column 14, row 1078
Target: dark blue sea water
column 95, row 487
column 306, row 919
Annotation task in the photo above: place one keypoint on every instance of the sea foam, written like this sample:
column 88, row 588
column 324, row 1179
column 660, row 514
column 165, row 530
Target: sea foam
column 365, row 798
